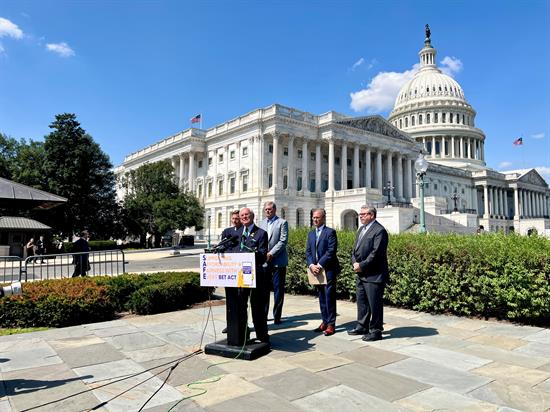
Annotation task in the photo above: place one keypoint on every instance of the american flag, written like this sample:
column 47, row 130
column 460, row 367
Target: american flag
column 518, row 141
column 196, row 119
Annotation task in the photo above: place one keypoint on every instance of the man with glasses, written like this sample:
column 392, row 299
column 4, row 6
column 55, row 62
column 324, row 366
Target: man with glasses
column 370, row 262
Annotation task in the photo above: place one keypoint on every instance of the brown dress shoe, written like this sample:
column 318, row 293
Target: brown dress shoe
column 329, row 330
column 321, row 328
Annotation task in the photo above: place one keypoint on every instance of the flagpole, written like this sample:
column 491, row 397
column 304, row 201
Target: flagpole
column 200, row 124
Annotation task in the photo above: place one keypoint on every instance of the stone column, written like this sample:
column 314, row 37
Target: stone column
column 453, row 147
column 378, row 176
column 433, row 147
column 486, row 211
column 368, row 178
column 399, row 177
column 424, row 144
column 330, row 166
column 389, row 167
column 318, row 168
column 461, row 151
column 474, row 199
column 501, row 198
column 275, row 162
column 505, row 198
column 443, row 140
column 305, row 172
column 356, row 166
column 482, row 149
column 291, row 167
column 192, row 173
column 413, row 182
column 180, row 183
column 516, row 204
column 408, row 180
column 344, row 167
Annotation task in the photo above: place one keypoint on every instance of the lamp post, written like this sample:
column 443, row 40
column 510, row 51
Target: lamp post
column 389, row 189
column 421, row 166
column 209, row 221
column 454, row 197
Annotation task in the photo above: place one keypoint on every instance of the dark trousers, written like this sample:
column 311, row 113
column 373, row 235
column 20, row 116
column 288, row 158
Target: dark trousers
column 370, row 305
column 278, row 279
column 258, row 303
column 327, row 300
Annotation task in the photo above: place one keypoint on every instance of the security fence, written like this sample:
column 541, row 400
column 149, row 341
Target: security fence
column 64, row 265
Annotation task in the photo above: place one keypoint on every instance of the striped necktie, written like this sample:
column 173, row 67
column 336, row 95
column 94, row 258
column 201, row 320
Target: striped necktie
column 243, row 238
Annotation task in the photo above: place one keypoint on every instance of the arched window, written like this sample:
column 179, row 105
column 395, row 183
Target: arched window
column 419, row 119
column 412, row 121
column 457, row 118
column 435, row 118
column 400, row 123
column 463, row 121
column 450, row 117
column 428, row 118
column 443, row 117
column 406, row 122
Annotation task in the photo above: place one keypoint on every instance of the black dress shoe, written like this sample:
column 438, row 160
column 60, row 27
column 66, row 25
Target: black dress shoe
column 224, row 330
column 371, row 337
column 277, row 321
column 357, row 332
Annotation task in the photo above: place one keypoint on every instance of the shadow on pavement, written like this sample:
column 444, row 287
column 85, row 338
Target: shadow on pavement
column 409, row 332
column 21, row 386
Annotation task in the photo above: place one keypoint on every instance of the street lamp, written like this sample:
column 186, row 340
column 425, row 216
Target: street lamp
column 389, row 189
column 454, row 197
column 421, row 166
column 209, row 221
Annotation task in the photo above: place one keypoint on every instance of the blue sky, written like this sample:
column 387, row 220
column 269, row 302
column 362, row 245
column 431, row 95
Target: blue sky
column 135, row 72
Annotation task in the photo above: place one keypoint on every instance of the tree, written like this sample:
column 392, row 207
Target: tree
column 8, row 152
column 76, row 168
column 154, row 202
column 28, row 166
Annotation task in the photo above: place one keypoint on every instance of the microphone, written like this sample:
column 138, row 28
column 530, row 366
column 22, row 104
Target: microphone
column 226, row 242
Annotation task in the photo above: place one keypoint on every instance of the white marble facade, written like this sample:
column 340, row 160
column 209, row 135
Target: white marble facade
column 303, row 161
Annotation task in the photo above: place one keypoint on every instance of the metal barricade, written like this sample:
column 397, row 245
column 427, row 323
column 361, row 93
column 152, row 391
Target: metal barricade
column 65, row 265
column 10, row 268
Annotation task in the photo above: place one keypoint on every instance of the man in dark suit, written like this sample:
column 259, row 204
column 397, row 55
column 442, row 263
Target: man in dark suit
column 321, row 247
column 230, row 240
column 253, row 239
column 370, row 262
column 80, row 260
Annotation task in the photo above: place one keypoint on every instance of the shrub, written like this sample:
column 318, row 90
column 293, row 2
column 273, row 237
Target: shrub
column 493, row 275
column 68, row 247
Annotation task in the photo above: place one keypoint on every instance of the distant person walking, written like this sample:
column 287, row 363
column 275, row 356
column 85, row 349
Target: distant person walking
column 40, row 249
column 29, row 247
column 370, row 263
column 277, row 258
column 81, row 261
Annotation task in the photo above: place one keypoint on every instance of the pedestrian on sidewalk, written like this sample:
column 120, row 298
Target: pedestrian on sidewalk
column 81, row 261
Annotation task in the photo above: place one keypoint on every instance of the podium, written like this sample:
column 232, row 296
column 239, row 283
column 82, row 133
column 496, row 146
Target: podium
column 237, row 344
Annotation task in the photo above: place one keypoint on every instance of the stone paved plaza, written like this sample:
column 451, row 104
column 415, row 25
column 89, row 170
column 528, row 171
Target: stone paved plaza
column 424, row 363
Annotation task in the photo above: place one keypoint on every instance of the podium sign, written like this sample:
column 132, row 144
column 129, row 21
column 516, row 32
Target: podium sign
column 236, row 270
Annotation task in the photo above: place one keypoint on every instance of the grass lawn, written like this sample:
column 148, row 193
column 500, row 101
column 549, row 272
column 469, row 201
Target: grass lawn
column 13, row 331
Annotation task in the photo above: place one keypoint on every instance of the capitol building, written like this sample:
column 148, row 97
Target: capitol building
column 303, row 161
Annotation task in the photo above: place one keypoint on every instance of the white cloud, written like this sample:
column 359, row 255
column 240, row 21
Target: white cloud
column 63, row 49
column 357, row 63
column 504, row 165
column 380, row 93
column 451, row 65
column 538, row 135
column 544, row 171
column 9, row 29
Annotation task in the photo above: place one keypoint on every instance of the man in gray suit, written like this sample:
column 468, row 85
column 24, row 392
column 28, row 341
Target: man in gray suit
column 277, row 258
column 370, row 262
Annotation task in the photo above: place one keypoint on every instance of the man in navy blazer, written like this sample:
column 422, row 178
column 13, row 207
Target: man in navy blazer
column 252, row 239
column 321, row 247
column 370, row 263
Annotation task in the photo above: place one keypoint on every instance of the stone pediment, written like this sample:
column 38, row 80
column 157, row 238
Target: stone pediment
column 533, row 178
column 376, row 124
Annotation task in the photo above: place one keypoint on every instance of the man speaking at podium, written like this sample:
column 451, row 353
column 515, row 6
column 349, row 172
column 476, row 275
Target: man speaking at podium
column 254, row 240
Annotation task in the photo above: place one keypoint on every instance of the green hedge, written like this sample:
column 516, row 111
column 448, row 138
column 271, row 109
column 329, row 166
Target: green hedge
column 492, row 275
column 67, row 302
column 68, row 247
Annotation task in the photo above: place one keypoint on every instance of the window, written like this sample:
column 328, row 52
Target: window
column 435, row 117
column 209, row 161
column 325, row 158
column 428, row 118
column 406, row 122
column 245, row 183
column 209, row 189
column 245, row 151
column 232, row 154
column 400, row 123
column 419, row 119
column 457, row 118
column 220, row 217
column 300, row 154
column 312, row 155
column 285, row 182
column 285, row 151
column 220, row 158
column 299, row 183
column 199, row 191
column 270, row 148
column 220, row 187
column 232, row 185
column 349, row 162
column 443, row 117
column 270, row 180
column 463, row 122
column 450, row 117
column 200, row 164
column 337, row 161
column 412, row 121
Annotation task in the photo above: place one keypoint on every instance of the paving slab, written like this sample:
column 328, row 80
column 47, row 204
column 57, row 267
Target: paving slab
column 437, row 375
column 253, row 402
column 187, row 405
column 117, row 330
column 69, row 343
column 315, row 361
column 41, row 387
column 108, row 370
column 5, row 406
column 545, row 367
column 76, row 357
column 439, row 399
column 26, row 356
column 542, row 336
column 500, row 342
column 371, row 356
column 157, row 352
column 134, row 341
column 504, row 356
column 513, row 396
column 376, row 382
column 443, row 357
column 343, row 398
column 543, row 386
column 295, row 383
column 511, row 330
column 512, row 374
column 251, row 371
column 537, row 349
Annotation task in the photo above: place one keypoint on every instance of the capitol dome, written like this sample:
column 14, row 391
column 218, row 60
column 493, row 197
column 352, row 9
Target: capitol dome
column 432, row 109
